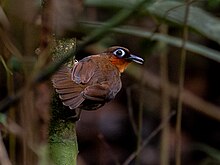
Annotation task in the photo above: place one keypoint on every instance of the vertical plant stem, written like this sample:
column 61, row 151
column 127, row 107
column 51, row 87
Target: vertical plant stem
column 46, row 36
column 165, row 106
column 181, row 86
column 12, row 138
column 62, row 135
column 10, row 89
column 4, row 160
column 148, row 139
column 130, row 110
column 140, row 125
column 63, row 148
column 140, row 119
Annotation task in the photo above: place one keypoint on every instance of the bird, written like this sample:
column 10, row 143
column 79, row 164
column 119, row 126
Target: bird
column 93, row 80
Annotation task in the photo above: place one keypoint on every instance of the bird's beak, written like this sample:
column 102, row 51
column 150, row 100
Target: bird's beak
column 135, row 58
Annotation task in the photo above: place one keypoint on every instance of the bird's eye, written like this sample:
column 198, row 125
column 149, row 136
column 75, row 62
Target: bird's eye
column 119, row 52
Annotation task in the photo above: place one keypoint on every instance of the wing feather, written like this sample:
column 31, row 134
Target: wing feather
column 84, row 70
column 68, row 90
column 74, row 103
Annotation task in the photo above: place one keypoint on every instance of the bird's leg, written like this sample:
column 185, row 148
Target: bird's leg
column 76, row 117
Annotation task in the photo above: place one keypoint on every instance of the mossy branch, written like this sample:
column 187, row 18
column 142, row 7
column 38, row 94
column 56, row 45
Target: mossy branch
column 62, row 134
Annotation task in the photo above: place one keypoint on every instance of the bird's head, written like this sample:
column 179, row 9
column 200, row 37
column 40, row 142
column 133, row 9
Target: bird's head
column 121, row 57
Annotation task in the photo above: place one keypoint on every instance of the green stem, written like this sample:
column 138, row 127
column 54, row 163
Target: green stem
column 181, row 86
column 165, row 105
column 63, row 143
column 62, row 135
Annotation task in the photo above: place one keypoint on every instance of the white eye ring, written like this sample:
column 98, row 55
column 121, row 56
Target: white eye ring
column 119, row 52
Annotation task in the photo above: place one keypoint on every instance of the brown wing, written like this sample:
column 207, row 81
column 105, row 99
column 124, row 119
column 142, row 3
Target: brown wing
column 87, row 82
column 87, row 72
column 84, row 70
column 70, row 84
column 69, row 92
column 102, row 79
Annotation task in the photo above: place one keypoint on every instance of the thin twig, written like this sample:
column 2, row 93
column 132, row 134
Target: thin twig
column 4, row 160
column 109, row 148
column 9, row 45
column 130, row 110
column 148, row 139
column 189, row 99
column 5, row 66
column 140, row 119
column 165, row 103
column 181, row 86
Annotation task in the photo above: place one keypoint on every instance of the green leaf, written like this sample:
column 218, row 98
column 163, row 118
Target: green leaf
column 3, row 118
column 174, row 41
column 212, row 152
column 198, row 19
column 109, row 4
column 172, row 11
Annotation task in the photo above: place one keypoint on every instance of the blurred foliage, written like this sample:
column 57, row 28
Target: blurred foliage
column 3, row 118
column 198, row 19
column 212, row 152
column 213, row 4
column 172, row 11
column 15, row 64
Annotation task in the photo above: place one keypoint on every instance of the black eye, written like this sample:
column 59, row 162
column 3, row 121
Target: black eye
column 119, row 52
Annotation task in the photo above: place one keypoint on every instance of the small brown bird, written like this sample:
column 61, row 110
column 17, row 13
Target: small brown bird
column 94, row 80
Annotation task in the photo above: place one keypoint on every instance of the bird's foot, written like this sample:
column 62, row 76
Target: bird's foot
column 76, row 117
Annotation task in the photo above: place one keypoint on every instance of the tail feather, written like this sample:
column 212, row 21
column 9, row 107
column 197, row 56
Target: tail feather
column 74, row 103
column 57, row 80
column 63, row 91
column 68, row 96
column 69, row 92
column 63, row 84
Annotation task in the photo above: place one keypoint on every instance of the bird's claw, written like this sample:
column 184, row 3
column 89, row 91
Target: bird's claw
column 76, row 117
